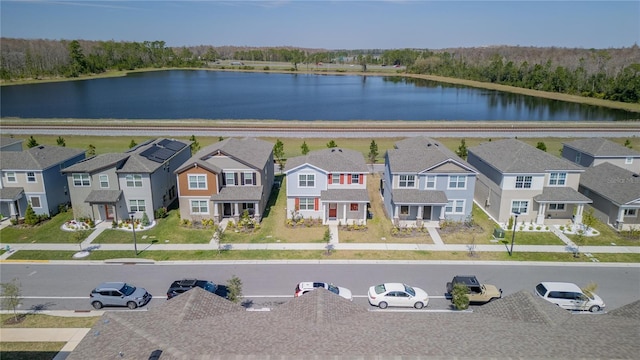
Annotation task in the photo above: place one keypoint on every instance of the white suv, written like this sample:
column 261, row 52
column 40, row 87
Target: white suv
column 569, row 296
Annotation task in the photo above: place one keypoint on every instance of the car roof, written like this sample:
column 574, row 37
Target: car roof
column 394, row 286
column 310, row 284
column 109, row 285
column 469, row 280
column 560, row 286
column 188, row 283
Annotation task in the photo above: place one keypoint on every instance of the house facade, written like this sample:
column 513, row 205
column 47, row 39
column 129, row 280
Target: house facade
column 615, row 193
column 34, row 177
column 115, row 186
column 328, row 184
column 595, row 151
column 225, row 179
column 426, row 182
column 518, row 179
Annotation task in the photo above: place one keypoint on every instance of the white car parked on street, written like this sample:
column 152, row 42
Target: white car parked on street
column 305, row 287
column 397, row 294
column 569, row 296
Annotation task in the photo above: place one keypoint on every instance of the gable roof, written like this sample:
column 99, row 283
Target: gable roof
column 514, row 156
column 599, row 147
column 96, row 163
column 39, row 157
column 6, row 141
column 330, row 160
column 418, row 154
column 151, row 155
column 612, row 182
column 320, row 324
column 250, row 151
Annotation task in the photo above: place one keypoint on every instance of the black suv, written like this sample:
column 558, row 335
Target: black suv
column 180, row 286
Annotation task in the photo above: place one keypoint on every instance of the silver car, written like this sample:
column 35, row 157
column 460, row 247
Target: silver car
column 119, row 294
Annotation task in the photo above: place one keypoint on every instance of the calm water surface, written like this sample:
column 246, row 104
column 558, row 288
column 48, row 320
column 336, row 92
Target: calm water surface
column 201, row 94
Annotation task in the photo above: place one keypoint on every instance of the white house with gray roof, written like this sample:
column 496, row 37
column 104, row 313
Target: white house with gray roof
column 113, row 186
column 426, row 182
column 329, row 184
column 595, row 151
column 226, row 178
column 518, row 179
column 34, row 176
column 615, row 193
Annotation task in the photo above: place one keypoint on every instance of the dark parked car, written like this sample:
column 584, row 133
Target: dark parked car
column 179, row 286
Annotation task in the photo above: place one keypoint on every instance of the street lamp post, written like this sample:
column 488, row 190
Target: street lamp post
column 513, row 235
column 133, row 224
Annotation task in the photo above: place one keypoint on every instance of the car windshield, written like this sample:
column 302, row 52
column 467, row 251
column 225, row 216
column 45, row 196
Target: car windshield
column 333, row 289
column 380, row 289
column 128, row 289
column 409, row 290
column 210, row 287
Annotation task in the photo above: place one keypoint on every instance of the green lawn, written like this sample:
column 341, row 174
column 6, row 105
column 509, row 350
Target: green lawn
column 47, row 232
column 608, row 236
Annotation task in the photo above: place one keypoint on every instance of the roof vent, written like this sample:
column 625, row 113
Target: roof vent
column 636, row 175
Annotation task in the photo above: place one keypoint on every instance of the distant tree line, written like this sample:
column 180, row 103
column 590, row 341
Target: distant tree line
column 612, row 74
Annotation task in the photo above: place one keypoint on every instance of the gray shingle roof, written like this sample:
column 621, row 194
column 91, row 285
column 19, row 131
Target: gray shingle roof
column 599, row 147
column 416, row 154
column 345, row 195
column 96, row 163
column 103, row 196
column 11, row 193
column 415, row 196
column 39, row 157
column 331, row 160
column 139, row 163
column 8, row 141
column 514, row 156
column 238, row 193
column 561, row 194
column 612, row 182
column 251, row 151
column 320, row 324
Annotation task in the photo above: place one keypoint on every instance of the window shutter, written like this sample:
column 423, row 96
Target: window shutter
column 361, row 178
column 330, row 178
column 224, row 179
column 316, row 204
column 255, row 178
column 235, row 179
column 242, row 179
column 341, row 178
column 349, row 179
column 297, row 203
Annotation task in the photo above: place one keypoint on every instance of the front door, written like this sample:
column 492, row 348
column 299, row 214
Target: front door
column 426, row 213
column 333, row 210
column 226, row 210
column 108, row 210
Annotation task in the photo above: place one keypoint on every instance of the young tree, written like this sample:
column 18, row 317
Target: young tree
column 373, row 152
column 11, row 296
column 332, row 144
column 278, row 152
column 60, row 141
column 30, row 217
column 627, row 143
column 132, row 144
column 91, row 150
column 327, row 239
column 541, row 146
column 32, row 142
column 462, row 149
column 234, row 289
column 305, row 148
column 195, row 145
column 588, row 219
column 460, row 296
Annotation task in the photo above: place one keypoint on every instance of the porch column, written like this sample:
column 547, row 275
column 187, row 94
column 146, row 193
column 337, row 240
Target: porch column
column 419, row 216
column 620, row 219
column 256, row 211
column 578, row 216
column 364, row 213
column 12, row 209
column 442, row 212
column 396, row 210
column 344, row 213
column 325, row 214
column 216, row 212
column 541, row 211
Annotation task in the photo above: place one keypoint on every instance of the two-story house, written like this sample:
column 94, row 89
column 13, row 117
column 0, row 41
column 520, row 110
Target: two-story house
column 114, row 186
column 426, row 182
column 330, row 184
column 518, row 179
column 595, row 151
column 34, row 177
column 226, row 178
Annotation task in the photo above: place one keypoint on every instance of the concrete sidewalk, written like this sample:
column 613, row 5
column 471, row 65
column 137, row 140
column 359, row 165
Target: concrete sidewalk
column 70, row 336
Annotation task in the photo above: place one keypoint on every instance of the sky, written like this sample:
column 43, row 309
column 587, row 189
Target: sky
column 330, row 24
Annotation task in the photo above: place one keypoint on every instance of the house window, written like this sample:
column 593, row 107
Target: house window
column 557, row 178
column 454, row 207
column 248, row 178
column 249, row 207
column 457, row 182
column 335, row 178
column 407, row 181
column 628, row 160
column 520, row 206
column 578, row 158
column 355, row 178
column 306, row 180
column 353, row 207
column 559, row 207
column 35, row 202
column 230, row 178
column 197, row 182
column 431, row 182
column 134, row 180
column 630, row 212
column 523, row 182
column 81, row 180
column 31, row 176
column 104, row 181
column 137, row 205
column 404, row 210
column 199, row 206
column 307, row 204
column 11, row 177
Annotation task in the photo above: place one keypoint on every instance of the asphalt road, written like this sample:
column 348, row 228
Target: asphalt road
column 266, row 284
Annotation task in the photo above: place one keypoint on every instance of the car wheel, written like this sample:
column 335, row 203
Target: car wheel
column 132, row 305
column 97, row 305
column 594, row 308
column 383, row 305
column 418, row 305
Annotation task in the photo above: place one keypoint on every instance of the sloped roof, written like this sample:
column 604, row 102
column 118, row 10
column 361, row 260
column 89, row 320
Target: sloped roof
column 514, row 156
column 39, row 157
column 526, row 307
column 417, row 154
column 599, row 147
column 151, row 155
column 11, row 193
column 331, row 160
column 415, row 196
column 562, row 194
column 612, row 182
column 239, row 193
column 96, row 163
column 251, row 151
column 357, row 195
column 6, row 141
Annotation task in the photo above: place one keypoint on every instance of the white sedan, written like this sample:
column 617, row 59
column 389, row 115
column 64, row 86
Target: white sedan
column 305, row 287
column 397, row 294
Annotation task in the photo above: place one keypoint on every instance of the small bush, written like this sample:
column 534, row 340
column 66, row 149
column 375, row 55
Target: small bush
column 460, row 296
column 145, row 219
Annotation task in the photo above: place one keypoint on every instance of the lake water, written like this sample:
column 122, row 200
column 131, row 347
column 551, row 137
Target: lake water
column 200, row 94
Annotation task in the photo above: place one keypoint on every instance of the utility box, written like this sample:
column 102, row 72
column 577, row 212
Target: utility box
column 498, row 233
